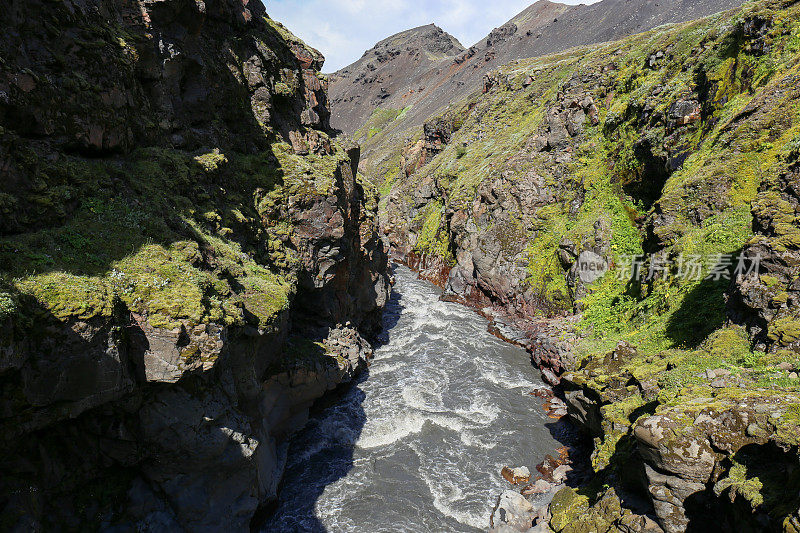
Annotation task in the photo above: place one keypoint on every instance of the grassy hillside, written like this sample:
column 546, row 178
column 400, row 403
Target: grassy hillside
column 619, row 168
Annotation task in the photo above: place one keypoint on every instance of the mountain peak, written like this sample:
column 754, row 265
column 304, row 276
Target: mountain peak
column 429, row 38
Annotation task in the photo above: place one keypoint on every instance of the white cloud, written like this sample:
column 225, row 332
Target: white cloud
column 344, row 29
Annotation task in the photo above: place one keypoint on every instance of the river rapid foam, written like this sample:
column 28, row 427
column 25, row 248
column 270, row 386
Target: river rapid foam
column 419, row 442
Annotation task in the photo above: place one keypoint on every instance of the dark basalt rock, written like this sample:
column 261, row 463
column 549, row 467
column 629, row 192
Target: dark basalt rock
column 767, row 300
column 109, row 418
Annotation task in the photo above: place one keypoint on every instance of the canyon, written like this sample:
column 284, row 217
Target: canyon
column 198, row 329
column 420, row 442
column 642, row 156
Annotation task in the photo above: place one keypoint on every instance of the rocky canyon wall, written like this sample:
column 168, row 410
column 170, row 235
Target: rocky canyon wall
column 668, row 161
column 188, row 261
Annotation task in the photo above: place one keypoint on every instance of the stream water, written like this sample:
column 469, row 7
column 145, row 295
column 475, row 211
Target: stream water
column 418, row 443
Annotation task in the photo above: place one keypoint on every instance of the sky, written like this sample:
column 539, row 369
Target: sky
column 344, row 29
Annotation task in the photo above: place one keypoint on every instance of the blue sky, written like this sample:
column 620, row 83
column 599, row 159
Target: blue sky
column 344, row 29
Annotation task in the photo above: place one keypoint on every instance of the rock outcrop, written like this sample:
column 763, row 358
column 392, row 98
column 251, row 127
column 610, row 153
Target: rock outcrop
column 631, row 208
column 768, row 303
column 187, row 261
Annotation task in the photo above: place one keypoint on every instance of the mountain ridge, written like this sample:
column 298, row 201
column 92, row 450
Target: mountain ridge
column 364, row 101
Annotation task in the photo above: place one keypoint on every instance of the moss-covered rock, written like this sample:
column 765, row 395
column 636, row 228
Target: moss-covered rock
column 567, row 506
column 172, row 209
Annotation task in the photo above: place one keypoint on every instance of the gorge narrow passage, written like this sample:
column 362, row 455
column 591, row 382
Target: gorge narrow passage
column 419, row 443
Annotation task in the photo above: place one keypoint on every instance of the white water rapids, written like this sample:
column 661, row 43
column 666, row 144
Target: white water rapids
column 418, row 444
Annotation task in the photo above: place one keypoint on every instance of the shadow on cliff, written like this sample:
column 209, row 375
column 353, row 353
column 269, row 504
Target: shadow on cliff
column 323, row 452
column 149, row 197
column 770, row 474
column 65, row 402
column 391, row 315
column 90, row 207
column 702, row 311
column 623, row 465
column 579, row 447
column 319, row 455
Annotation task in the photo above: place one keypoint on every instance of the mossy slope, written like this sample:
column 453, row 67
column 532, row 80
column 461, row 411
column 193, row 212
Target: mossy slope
column 675, row 149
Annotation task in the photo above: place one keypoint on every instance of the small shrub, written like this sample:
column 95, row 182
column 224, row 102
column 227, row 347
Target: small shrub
column 793, row 147
column 211, row 161
column 8, row 307
column 732, row 344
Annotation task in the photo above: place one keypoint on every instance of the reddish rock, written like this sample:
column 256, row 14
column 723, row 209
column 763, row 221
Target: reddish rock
column 516, row 476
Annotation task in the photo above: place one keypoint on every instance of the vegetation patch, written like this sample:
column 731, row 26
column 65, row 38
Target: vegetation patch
column 432, row 238
column 109, row 232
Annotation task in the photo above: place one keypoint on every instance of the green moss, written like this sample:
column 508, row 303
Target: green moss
column 738, row 482
column 160, row 282
column 211, row 161
column 68, row 296
column 379, row 120
column 266, row 295
column 616, row 114
column 731, row 344
column 8, row 204
column 166, row 284
column 793, row 148
column 283, row 89
column 545, row 274
column 784, row 331
column 617, row 420
column 567, row 506
column 386, row 186
column 308, row 175
column 432, row 238
column 176, row 237
column 793, row 414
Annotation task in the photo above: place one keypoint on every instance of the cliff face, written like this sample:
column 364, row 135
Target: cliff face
column 633, row 207
column 187, row 260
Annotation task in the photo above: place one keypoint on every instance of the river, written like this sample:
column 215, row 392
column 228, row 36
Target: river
column 418, row 443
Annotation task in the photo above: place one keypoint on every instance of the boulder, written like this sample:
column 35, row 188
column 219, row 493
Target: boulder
column 539, row 487
column 512, row 511
column 560, row 473
column 516, row 476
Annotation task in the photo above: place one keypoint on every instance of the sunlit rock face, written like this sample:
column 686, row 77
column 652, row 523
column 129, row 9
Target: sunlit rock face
column 632, row 208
